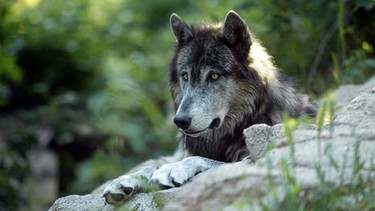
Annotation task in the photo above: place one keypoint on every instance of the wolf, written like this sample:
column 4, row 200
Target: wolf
column 222, row 81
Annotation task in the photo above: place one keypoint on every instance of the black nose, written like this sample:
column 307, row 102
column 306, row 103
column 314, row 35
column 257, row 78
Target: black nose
column 182, row 122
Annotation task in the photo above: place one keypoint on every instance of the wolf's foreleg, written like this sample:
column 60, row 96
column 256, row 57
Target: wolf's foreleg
column 151, row 178
column 176, row 174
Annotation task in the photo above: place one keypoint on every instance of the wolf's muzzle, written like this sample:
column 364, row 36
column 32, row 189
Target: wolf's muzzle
column 184, row 122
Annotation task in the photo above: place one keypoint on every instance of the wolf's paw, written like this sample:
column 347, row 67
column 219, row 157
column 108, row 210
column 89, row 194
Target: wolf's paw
column 121, row 189
column 173, row 174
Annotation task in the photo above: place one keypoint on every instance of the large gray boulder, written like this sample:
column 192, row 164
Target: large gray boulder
column 336, row 149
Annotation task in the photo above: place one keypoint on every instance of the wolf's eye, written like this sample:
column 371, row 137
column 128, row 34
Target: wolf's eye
column 215, row 76
column 185, row 76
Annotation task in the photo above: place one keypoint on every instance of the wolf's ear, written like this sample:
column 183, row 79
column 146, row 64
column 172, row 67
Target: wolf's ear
column 236, row 33
column 182, row 31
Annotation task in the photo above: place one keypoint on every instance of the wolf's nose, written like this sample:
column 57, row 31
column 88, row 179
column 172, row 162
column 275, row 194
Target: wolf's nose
column 182, row 122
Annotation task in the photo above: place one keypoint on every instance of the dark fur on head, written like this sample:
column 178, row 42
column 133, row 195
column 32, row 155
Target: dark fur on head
column 261, row 93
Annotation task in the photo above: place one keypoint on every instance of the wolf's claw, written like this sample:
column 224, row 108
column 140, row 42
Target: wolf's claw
column 120, row 190
column 128, row 190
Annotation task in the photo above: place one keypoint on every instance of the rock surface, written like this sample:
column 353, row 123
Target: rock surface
column 349, row 138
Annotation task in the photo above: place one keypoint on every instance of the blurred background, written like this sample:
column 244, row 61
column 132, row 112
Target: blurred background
column 83, row 83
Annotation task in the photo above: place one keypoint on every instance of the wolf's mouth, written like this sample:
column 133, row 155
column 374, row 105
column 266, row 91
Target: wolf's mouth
column 214, row 124
column 194, row 134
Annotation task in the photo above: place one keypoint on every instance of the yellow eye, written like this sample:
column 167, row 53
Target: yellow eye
column 215, row 76
column 185, row 76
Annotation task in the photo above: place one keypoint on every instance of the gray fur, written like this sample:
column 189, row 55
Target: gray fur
column 222, row 81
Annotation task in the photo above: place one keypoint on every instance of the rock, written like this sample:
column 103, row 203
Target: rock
column 76, row 202
column 342, row 145
column 344, row 94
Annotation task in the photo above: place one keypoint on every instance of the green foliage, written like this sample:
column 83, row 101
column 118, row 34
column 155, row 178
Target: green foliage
column 14, row 166
column 358, row 195
column 325, row 112
column 290, row 125
column 302, row 40
column 9, row 73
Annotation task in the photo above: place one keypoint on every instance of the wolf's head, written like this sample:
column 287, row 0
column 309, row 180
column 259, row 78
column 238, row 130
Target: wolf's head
column 211, row 82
